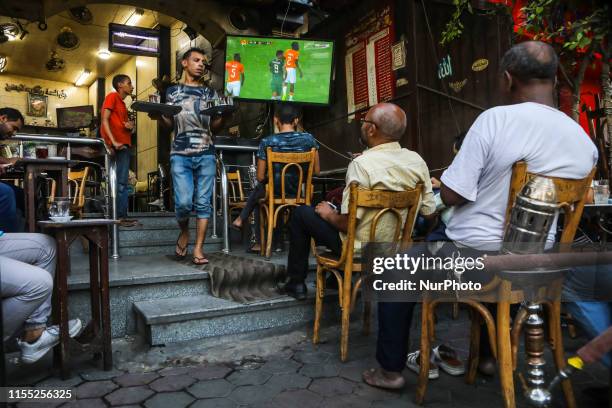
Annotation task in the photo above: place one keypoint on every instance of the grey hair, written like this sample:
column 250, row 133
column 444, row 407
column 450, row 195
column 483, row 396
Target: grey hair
column 531, row 60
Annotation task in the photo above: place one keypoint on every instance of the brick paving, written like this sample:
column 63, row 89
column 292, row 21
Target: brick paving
column 301, row 375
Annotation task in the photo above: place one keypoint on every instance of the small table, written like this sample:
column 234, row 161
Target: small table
column 92, row 339
column 32, row 168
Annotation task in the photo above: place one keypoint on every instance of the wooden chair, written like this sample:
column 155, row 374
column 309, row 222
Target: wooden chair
column 237, row 200
column 383, row 202
column 78, row 179
column 571, row 195
column 271, row 206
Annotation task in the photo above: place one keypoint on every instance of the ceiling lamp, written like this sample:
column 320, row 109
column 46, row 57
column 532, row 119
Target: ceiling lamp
column 136, row 15
column 104, row 54
column 82, row 77
column 10, row 31
column 3, row 61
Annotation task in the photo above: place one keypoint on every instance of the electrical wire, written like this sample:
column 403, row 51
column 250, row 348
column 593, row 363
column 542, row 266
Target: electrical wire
column 285, row 18
column 435, row 52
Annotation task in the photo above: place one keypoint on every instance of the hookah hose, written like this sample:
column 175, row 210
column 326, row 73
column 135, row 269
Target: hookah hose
column 573, row 364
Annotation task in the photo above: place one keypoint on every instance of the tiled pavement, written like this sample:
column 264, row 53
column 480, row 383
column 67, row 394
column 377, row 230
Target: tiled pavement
column 298, row 375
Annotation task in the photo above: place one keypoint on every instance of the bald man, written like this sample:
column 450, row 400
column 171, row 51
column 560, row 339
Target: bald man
column 384, row 165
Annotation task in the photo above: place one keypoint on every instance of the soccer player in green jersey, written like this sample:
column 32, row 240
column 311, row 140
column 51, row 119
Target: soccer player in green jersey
column 278, row 77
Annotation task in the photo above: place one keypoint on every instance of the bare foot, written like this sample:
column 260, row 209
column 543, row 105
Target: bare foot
column 237, row 223
column 181, row 244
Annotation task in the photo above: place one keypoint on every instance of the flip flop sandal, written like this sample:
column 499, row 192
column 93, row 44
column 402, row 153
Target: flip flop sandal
column 196, row 260
column 235, row 228
column 183, row 253
column 413, row 362
column 375, row 378
column 447, row 359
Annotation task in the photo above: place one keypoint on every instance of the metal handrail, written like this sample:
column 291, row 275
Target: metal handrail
column 110, row 210
column 224, row 189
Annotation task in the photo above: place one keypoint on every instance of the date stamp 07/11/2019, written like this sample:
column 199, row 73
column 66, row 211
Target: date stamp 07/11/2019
column 23, row 394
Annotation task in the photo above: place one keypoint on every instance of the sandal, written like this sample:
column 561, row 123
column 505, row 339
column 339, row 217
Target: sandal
column 447, row 359
column 376, row 378
column 196, row 260
column 183, row 250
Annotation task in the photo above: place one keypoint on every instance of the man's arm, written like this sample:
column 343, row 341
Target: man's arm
column 327, row 213
column 449, row 197
column 217, row 123
column 297, row 65
column 242, row 77
column 261, row 170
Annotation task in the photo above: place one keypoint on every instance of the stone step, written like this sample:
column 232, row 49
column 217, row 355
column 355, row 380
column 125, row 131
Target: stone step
column 153, row 234
column 172, row 320
column 132, row 279
column 163, row 247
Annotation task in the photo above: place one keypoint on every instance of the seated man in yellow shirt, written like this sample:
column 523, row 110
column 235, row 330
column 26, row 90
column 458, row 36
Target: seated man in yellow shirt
column 385, row 166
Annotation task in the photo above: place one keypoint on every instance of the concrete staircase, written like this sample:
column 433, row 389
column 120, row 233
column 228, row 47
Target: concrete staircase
column 166, row 302
column 157, row 234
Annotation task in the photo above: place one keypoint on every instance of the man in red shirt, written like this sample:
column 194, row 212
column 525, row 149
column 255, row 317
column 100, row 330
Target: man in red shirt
column 117, row 130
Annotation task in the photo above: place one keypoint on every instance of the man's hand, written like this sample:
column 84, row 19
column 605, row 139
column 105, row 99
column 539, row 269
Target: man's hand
column 324, row 210
column 129, row 125
column 118, row 146
column 435, row 183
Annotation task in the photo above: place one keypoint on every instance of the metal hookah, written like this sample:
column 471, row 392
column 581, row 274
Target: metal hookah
column 532, row 216
column 252, row 174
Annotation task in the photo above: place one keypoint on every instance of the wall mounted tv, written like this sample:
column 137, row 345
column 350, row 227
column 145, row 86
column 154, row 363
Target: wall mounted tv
column 271, row 68
column 75, row 117
column 126, row 39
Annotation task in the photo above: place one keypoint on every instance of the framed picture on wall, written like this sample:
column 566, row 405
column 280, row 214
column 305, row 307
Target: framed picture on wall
column 37, row 105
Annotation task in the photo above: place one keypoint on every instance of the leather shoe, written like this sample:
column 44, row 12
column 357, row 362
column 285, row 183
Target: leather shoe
column 296, row 290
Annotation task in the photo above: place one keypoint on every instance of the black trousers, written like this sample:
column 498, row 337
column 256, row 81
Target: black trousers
column 395, row 318
column 304, row 225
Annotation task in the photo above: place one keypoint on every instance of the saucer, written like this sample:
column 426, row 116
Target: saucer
column 61, row 219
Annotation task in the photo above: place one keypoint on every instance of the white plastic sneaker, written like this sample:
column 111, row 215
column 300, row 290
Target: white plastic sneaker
column 413, row 363
column 30, row 353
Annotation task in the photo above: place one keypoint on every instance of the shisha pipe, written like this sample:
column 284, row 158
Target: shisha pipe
column 532, row 216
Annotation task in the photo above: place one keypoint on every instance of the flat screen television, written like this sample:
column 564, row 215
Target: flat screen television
column 131, row 40
column 75, row 117
column 272, row 68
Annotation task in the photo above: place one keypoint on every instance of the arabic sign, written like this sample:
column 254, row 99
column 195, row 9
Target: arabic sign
column 480, row 65
column 369, row 60
column 37, row 90
column 457, row 85
column 445, row 69
column 398, row 52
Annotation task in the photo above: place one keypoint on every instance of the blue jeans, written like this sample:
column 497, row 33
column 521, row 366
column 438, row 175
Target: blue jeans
column 123, row 172
column 189, row 174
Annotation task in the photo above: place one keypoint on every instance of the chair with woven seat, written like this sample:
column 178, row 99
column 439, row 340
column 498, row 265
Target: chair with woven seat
column 347, row 264
column 274, row 204
column 78, row 180
column 571, row 196
column 237, row 200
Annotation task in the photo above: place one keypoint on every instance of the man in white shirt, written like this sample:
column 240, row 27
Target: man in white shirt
column 477, row 182
column 529, row 128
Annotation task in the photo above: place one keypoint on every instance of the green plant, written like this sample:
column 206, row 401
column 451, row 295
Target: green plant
column 454, row 27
